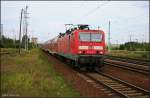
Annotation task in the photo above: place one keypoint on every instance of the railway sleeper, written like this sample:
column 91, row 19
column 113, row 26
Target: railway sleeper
column 99, row 76
column 104, row 89
column 114, row 83
column 123, row 89
column 89, row 80
column 106, row 81
column 116, row 97
column 144, row 96
column 100, row 88
column 130, row 91
column 102, row 77
column 118, row 85
column 111, row 94
column 134, row 94
column 108, row 92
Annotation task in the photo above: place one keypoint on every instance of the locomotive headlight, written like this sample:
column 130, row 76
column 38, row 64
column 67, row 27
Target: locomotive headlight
column 83, row 47
column 98, row 47
column 79, row 51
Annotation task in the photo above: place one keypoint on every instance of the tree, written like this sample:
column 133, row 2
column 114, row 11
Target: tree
column 135, row 46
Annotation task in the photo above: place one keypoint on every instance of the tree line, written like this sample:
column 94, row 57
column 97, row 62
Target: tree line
column 11, row 43
column 133, row 46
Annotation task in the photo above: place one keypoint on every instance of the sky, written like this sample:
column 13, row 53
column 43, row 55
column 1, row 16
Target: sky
column 128, row 19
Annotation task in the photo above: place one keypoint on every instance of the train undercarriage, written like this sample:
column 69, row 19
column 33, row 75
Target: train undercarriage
column 90, row 62
column 83, row 62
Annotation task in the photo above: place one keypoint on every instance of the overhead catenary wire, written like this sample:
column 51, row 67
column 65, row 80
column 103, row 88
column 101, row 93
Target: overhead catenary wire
column 92, row 11
column 95, row 9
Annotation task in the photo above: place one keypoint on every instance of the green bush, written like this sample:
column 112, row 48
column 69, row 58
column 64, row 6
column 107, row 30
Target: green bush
column 10, row 43
column 135, row 46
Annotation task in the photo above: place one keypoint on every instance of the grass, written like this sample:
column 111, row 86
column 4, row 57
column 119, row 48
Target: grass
column 31, row 74
column 8, row 50
column 143, row 55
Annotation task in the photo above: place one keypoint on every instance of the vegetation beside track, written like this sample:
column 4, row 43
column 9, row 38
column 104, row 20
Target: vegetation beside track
column 31, row 74
column 8, row 50
column 143, row 55
column 135, row 50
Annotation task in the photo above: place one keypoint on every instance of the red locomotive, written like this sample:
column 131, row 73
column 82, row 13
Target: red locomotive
column 80, row 45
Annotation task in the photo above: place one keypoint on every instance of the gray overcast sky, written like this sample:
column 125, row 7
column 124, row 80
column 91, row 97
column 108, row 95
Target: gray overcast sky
column 47, row 18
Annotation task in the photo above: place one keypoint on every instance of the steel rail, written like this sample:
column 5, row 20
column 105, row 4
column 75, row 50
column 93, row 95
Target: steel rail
column 129, row 60
column 130, row 68
column 135, row 91
column 126, row 83
column 135, row 66
column 107, row 86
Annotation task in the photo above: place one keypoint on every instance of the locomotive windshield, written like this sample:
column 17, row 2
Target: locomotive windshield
column 94, row 37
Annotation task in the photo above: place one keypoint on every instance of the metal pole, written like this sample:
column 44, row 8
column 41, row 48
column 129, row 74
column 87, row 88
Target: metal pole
column 136, row 40
column 24, row 29
column 116, row 42
column 109, row 47
column 130, row 41
column 149, row 39
column 26, row 26
column 20, row 32
column 1, row 34
column 14, row 42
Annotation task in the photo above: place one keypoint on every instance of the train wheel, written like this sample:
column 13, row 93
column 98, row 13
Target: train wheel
column 91, row 68
column 72, row 64
column 83, row 68
column 97, row 69
column 102, row 62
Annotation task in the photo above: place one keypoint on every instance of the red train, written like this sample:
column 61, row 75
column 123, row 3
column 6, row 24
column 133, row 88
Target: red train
column 84, row 47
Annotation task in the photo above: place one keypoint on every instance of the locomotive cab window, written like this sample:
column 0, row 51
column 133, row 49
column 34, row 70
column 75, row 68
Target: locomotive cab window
column 84, row 36
column 94, row 37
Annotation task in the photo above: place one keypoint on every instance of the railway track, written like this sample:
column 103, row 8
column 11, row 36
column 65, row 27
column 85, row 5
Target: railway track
column 116, row 88
column 133, row 66
column 129, row 60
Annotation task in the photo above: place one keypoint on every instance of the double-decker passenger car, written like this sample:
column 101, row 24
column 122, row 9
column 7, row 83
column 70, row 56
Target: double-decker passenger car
column 80, row 45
